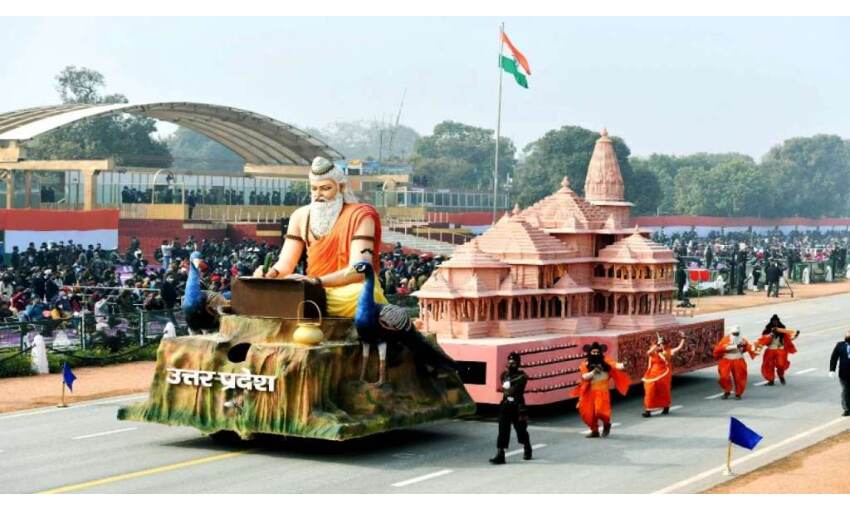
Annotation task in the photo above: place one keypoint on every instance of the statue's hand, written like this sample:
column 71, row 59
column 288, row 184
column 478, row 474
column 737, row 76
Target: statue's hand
column 258, row 273
column 295, row 277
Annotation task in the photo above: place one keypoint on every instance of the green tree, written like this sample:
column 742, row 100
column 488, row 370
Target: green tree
column 566, row 152
column 732, row 187
column 126, row 138
column 808, row 176
column 459, row 156
column 193, row 151
column 647, row 193
column 678, row 194
column 664, row 167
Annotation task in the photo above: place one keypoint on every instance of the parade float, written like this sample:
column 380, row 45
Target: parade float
column 277, row 365
column 548, row 280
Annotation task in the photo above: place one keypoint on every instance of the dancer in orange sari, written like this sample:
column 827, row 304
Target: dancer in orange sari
column 658, row 379
column 731, row 364
column 779, row 342
column 594, row 391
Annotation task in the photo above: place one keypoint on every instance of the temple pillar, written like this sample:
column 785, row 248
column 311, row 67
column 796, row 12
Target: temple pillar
column 631, row 304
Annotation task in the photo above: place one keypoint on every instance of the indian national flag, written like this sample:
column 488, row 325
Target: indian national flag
column 513, row 65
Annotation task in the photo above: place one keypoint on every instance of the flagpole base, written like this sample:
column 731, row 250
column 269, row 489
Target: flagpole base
column 728, row 472
column 61, row 405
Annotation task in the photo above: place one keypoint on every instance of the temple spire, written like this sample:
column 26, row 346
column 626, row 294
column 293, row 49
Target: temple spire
column 604, row 180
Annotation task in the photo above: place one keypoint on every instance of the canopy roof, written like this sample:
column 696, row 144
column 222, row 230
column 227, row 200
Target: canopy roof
column 259, row 139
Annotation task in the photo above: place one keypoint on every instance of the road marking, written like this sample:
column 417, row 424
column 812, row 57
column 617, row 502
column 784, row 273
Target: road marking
column 745, row 458
column 422, row 478
column 405, row 455
column 517, row 452
column 145, row 472
column 762, row 383
column 108, row 432
column 547, row 428
column 712, row 397
column 825, row 330
column 806, row 371
column 54, row 409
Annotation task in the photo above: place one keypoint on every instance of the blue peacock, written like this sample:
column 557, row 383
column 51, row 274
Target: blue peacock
column 201, row 307
column 378, row 324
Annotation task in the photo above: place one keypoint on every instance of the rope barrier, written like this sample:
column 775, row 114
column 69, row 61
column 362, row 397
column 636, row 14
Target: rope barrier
column 13, row 356
column 98, row 358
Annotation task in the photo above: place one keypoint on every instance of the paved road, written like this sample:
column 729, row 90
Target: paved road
column 85, row 449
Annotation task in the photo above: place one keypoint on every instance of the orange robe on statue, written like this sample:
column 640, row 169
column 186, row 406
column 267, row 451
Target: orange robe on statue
column 732, row 369
column 658, row 380
column 332, row 253
column 775, row 360
column 594, row 397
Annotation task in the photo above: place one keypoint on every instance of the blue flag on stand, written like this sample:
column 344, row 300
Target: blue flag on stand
column 741, row 435
column 68, row 376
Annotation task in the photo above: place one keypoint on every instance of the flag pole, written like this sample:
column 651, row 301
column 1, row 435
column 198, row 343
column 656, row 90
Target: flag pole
column 62, row 404
column 498, row 123
column 728, row 470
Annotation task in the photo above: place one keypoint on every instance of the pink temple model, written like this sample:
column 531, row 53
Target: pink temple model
column 547, row 280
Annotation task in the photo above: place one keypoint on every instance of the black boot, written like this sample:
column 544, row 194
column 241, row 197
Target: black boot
column 606, row 429
column 666, row 410
column 499, row 458
column 526, row 451
column 646, row 414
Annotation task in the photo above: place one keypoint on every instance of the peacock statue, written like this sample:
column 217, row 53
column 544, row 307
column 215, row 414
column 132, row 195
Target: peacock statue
column 378, row 324
column 201, row 307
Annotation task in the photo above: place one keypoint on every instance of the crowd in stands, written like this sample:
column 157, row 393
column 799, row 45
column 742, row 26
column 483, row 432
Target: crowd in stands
column 211, row 196
column 402, row 274
column 59, row 280
column 749, row 256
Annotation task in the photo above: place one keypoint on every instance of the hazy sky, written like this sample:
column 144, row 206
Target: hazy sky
column 668, row 85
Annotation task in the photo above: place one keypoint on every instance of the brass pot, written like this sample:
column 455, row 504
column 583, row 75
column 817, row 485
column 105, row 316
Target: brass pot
column 308, row 333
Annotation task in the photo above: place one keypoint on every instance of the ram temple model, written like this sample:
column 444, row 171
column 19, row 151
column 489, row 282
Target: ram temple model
column 277, row 366
column 547, row 280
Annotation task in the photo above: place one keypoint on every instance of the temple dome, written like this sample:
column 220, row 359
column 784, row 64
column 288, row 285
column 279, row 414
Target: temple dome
column 515, row 241
column 470, row 255
column 637, row 249
column 564, row 209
